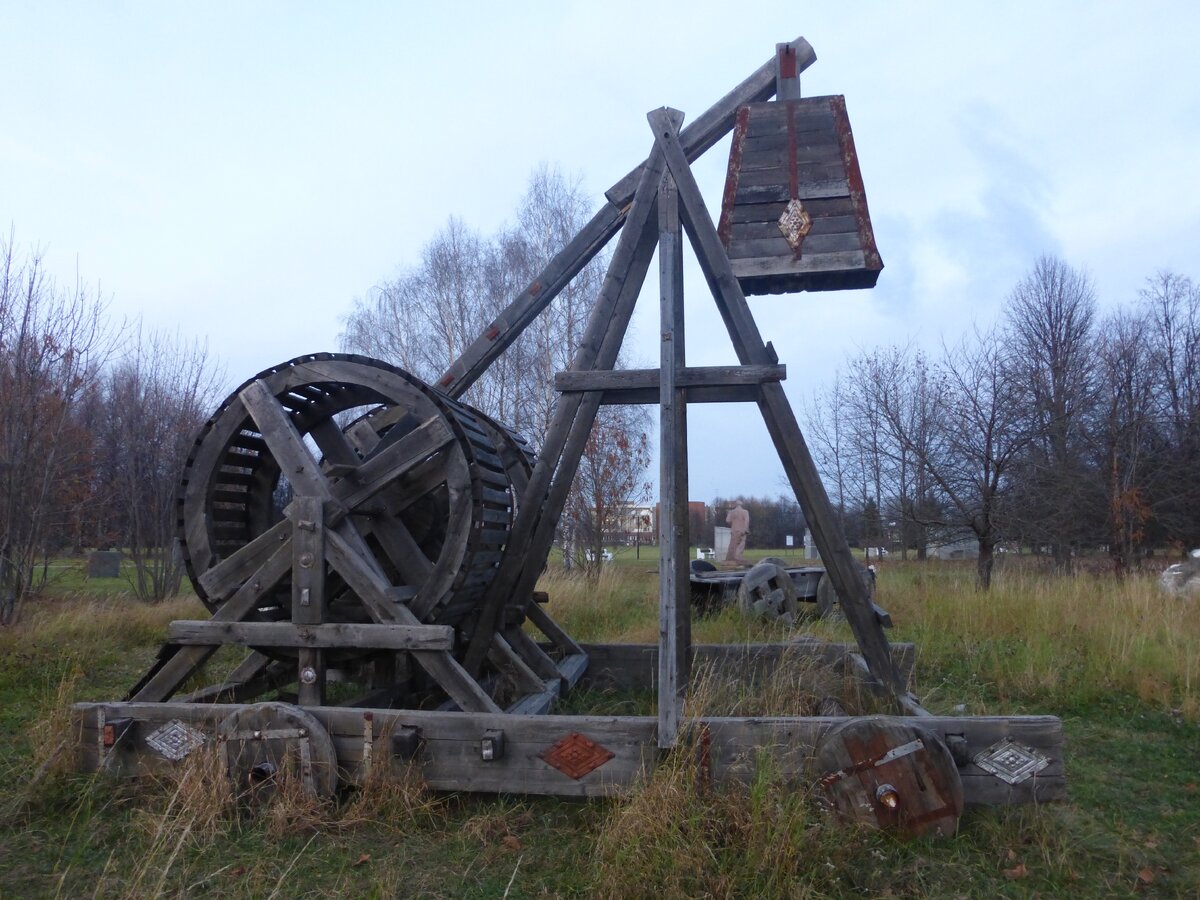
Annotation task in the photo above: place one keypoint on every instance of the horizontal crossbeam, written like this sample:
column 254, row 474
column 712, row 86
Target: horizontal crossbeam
column 286, row 634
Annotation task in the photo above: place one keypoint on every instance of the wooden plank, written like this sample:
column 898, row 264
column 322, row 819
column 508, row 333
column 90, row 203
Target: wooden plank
column 537, row 704
column 573, row 668
column 777, row 413
column 685, row 377
column 771, row 211
column 777, row 152
column 745, row 393
column 674, row 615
column 252, row 678
column 534, row 656
column 717, row 121
column 551, row 629
column 395, row 460
column 752, row 231
column 807, row 172
column 825, row 189
column 814, row 263
column 330, row 634
column 842, row 248
column 787, row 74
column 503, row 657
column 450, row 758
column 230, row 573
column 307, row 515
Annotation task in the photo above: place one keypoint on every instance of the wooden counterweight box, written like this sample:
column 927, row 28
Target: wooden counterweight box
column 794, row 214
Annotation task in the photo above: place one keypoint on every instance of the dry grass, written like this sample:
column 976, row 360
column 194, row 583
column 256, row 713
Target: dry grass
column 397, row 799
column 619, row 607
column 1038, row 635
column 676, row 836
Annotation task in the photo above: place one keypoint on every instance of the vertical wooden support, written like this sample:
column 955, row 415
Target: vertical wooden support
column 308, row 592
column 777, row 413
column 674, row 629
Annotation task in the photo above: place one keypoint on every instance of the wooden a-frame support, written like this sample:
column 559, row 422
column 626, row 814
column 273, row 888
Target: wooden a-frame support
column 665, row 196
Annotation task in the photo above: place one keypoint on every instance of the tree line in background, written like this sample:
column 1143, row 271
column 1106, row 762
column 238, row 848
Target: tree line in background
column 1058, row 428
column 423, row 319
column 96, row 421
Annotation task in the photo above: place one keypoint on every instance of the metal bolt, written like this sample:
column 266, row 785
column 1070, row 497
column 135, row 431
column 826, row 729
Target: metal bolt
column 308, row 675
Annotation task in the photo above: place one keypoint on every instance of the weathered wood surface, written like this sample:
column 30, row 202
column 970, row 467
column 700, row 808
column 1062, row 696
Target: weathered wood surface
column 777, row 411
column 177, row 664
column 685, row 377
column 263, row 743
column 336, row 634
column 450, row 757
column 801, row 150
column 674, row 626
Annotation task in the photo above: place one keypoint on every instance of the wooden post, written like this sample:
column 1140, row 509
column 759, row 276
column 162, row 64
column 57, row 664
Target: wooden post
column 787, row 73
column 674, row 631
column 777, row 413
column 308, row 592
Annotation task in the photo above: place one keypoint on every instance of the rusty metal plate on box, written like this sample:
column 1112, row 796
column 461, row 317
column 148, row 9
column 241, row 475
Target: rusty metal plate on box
column 794, row 214
column 1010, row 761
column 575, row 756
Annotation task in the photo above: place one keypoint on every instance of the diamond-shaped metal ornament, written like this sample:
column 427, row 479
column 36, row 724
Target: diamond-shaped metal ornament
column 1010, row 761
column 175, row 740
column 795, row 223
column 576, row 756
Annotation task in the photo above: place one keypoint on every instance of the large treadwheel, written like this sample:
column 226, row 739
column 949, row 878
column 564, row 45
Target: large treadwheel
column 418, row 482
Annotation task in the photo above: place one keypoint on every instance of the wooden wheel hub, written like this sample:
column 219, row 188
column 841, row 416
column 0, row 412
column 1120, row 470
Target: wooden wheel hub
column 887, row 772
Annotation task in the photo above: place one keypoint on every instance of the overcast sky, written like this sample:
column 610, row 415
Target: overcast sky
column 242, row 171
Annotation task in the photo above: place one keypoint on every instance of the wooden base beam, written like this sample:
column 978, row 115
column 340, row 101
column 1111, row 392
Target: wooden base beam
column 450, row 757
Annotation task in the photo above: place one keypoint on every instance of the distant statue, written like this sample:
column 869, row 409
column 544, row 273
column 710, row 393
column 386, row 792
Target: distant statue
column 738, row 520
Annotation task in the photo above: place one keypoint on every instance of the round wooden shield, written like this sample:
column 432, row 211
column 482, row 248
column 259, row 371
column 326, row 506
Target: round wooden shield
column 887, row 772
column 265, row 743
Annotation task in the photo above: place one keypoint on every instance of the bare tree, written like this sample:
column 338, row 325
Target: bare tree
column 155, row 401
column 609, row 481
column 1049, row 319
column 1122, row 429
column 52, row 343
column 829, row 437
column 1170, row 304
column 960, row 427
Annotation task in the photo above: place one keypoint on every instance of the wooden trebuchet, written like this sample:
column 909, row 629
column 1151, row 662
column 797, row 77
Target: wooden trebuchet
column 422, row 483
